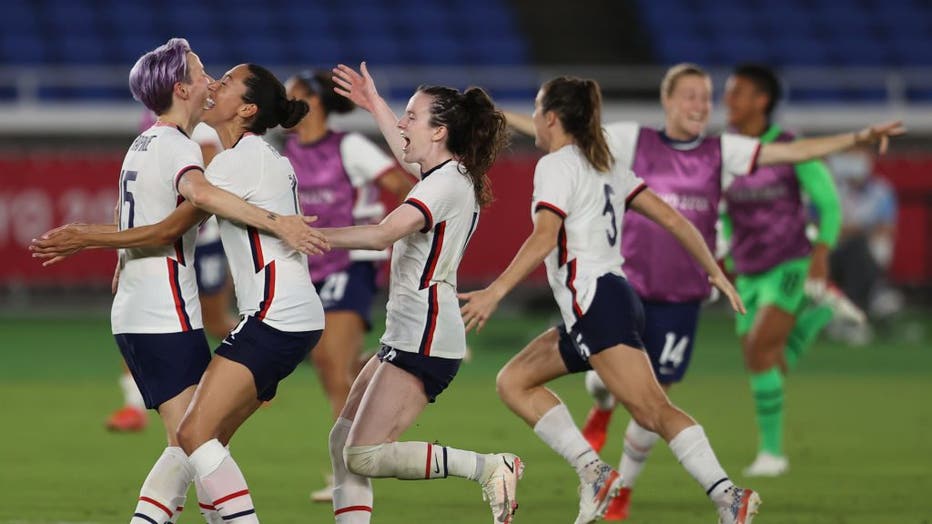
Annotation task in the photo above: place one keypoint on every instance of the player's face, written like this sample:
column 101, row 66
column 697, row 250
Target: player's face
column 743, row 100
column 541, row 135
column 200, row 81
column 227, row 95
column 689, row 105
column 419, row 136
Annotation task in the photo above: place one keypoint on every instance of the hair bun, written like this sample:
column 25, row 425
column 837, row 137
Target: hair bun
column 292, row 112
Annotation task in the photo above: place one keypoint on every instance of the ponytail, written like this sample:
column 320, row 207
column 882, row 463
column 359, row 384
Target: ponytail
column 274, row 107
column 577, row 103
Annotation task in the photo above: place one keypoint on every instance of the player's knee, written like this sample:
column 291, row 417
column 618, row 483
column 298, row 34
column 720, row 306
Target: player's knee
column 506, row 384
column 187, row 437
column 363, row 460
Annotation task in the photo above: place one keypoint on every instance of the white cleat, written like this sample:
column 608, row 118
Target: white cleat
column 767, row 465
column 843, row 308
column 595, row 496
column 500, row 487
column 324, row 494
column 739, row 507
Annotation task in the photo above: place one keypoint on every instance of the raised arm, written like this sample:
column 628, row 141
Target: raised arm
column 292, row 229
column 811, row 148
column 57, row 244
column 520, row 123
column 650, row 205
column 401, row 222
column 481, row 304
column 360, row 88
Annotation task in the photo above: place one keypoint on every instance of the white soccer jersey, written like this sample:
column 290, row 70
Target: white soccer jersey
column 157, row 291
column 423, row 311
column 364, row 163
column 738, row 152
column 271, row 279
column 592, row 206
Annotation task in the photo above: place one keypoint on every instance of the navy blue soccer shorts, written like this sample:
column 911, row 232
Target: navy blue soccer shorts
column 435, row 373
column 164, row 364
column 669, row 335
column 268, row 353
column 210, row 266
column 615, row 317
column 352, row 289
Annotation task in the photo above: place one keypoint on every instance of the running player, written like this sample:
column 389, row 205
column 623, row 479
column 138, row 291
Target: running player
column 775, row 261
column 155, row 316
column 451, row 139
column 214, row 288
column 688, row 170
column 340, row 176
column 580, row 197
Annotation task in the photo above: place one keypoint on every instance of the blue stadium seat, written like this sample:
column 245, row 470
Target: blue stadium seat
column 23, row 48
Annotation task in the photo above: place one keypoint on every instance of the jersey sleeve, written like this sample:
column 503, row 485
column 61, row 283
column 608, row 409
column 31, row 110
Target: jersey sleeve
column 631, row 186
column 622, row 138
column 553, row 186
column 739, row 153
column 817, row 182
column 186, row 157
column 364, row 161
column 223, row 173
column 436, row 200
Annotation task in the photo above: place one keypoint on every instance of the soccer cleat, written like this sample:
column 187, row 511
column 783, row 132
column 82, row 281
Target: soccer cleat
column 739, row 506
column 128, row 419
column 618, row 507
column 500, row 487
column 843, row 308
column 595, row 496
column 324, row 494
column 595, row 429
column 767, row 465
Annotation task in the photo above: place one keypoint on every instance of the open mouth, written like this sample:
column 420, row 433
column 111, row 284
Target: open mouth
column 407, row 143
column 209, row 103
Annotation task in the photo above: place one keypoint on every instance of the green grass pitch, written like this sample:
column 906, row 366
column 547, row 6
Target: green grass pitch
column 859, row 435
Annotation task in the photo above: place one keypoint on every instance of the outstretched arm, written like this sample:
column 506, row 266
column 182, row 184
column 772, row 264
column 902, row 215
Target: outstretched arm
column 360, row 88
column 650, row 205
column 810, row 148
column 401, row 222
column 292, row 229
column 481, row 304
column 57, row 244
column 520, row 123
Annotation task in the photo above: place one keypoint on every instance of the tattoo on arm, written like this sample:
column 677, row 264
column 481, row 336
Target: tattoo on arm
column 272, row 216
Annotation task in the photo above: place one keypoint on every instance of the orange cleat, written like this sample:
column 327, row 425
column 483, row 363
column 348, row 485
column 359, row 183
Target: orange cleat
column 128, row 419
column 595, row 429
column 618, row 507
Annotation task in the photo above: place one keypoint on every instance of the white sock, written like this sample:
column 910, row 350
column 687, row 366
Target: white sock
column 352, row 494
column 414, row 461
column 638, row 443
column 164, row 489
column 557, row 429
column 206, row 504
column 131, row 395
column 693, row 451
column 223, row 482
column 597, row 390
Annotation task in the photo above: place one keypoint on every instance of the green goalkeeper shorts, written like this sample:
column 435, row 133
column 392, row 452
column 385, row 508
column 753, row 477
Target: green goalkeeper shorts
column 783, row 286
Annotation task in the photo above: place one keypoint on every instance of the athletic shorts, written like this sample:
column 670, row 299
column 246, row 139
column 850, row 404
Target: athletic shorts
column 164, row 364
column 435, row 373
column 782, row 286
column 270, row 354
column 669, row 335
column 350, row 290
column 210, row 266
column 615, row 317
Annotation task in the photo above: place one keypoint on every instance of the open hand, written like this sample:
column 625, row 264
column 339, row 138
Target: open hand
column 478, row 308
column 721, row 282
column 294, row 230
column 57, row 244
column 360, row 88
column 880, row 133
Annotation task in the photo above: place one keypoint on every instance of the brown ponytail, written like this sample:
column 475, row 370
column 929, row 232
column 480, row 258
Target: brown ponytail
column 577, row 102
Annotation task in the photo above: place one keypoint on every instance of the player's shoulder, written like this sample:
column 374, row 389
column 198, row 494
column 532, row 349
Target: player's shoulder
column 623, row 128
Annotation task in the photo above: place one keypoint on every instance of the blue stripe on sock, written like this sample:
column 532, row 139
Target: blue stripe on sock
column 445, row 471
column 146, row 518
column 237, row 515
column 723, row 479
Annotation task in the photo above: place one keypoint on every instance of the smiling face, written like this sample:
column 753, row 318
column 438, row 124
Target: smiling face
column 226, row 95
column 688, row 106
column 420, row 137
column 541, row 129
column 198, row 88
column 744, row 101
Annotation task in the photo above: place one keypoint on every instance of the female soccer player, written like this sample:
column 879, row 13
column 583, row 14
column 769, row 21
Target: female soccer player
column 156, row 318
column 689, row 171
column 340, row 176
column 580, row 197
column 451, row 139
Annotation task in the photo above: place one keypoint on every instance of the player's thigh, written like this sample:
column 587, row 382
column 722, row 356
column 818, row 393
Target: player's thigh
column 358, row 389
column 781, row 293
column 227, row 390
column 392, row 401
column 538, row 363
column 628, row 375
